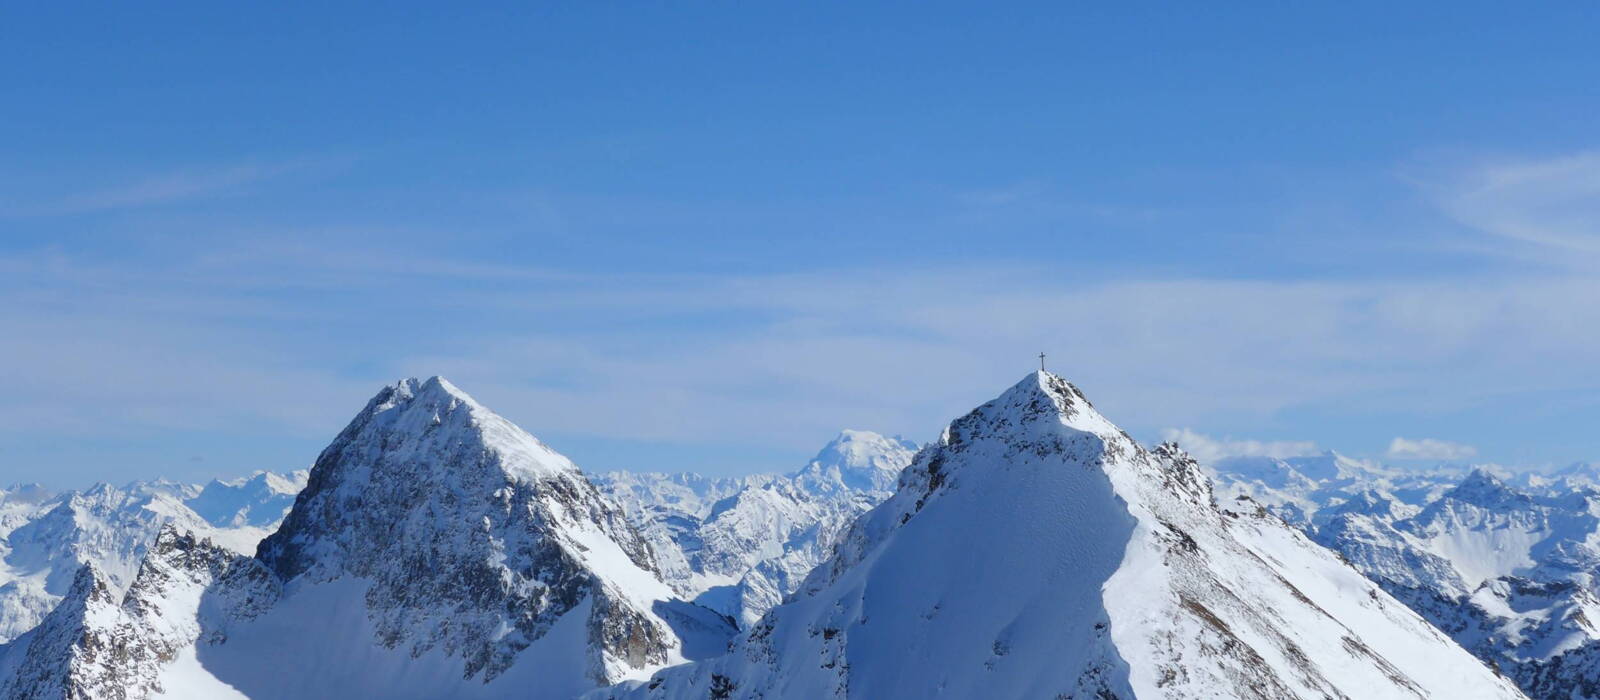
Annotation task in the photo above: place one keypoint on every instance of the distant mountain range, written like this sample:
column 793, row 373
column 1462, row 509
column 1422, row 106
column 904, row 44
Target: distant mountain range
column 436, row 550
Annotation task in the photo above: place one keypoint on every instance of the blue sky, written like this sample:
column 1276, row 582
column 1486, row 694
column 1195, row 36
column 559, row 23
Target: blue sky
column 707, row 237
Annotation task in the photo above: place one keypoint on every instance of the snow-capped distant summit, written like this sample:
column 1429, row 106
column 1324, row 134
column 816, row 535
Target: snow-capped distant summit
column 1483, row 488
column 1036, row 550
column 860, row 460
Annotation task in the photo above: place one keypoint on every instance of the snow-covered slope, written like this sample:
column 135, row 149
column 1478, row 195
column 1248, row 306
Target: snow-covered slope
column 738, row 546
column 437, row 550
column 45, row 538
column 1037, row 551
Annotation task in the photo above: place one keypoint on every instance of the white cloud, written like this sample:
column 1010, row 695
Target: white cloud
column 1209, row 449
column 1429, row 448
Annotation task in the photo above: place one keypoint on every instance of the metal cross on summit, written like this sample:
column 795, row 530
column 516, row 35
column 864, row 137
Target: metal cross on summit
column 1041, row 362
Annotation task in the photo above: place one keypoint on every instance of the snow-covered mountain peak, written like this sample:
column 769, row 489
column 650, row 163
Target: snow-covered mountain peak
column 463, row 534
column 428, row 446
column 860, row 460
column 1483, row 488
column 1045, row 417
column 862, row 449
column 1035, row 407
column 1036, row 550
column 418, row 415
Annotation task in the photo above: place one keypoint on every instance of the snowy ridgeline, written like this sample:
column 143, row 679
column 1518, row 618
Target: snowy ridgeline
column 1033, row 551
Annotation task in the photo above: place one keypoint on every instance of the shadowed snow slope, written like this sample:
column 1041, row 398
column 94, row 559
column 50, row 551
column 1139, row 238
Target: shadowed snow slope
column 1037, row 551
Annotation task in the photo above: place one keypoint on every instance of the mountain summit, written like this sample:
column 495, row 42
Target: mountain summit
column 437, row 550
column 473, row 538
column 1036, row 550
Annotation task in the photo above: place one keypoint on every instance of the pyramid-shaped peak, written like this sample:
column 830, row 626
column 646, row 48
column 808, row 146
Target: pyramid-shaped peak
column 430, row 391
column 1042, row 401
column 427, row 415
column 473, row 538
column 1480, row 478
column 1482, row 487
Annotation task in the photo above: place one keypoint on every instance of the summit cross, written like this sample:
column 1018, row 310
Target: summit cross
column 1041, row 362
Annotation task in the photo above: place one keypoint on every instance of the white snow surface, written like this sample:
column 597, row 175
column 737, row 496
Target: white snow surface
column 1038, row 551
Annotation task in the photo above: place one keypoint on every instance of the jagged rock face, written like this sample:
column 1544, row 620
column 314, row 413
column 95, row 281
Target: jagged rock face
column 475, row 537
column 738, row 546
column 1037, row 551
column 46, row 538
column 96, row 646
column 43, row 663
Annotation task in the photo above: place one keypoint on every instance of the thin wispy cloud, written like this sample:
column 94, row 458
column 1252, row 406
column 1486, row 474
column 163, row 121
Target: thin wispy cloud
column 169, row 187
column 1550, row 206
